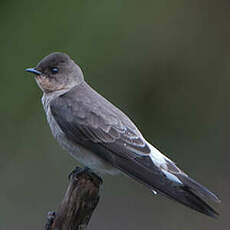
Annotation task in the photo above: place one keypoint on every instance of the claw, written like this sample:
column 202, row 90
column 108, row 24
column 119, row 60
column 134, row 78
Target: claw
column 79, row 171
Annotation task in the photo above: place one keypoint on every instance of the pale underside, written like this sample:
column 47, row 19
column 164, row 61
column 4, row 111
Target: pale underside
column 104, row 139
column 90, row 159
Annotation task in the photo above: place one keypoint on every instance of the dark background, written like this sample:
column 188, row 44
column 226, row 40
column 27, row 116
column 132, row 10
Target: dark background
column 165, row 63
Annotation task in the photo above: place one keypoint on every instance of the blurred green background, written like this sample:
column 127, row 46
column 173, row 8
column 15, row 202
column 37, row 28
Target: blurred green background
column 165, row 63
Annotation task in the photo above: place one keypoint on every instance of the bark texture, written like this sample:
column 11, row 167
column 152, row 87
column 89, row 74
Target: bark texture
column 80, row 200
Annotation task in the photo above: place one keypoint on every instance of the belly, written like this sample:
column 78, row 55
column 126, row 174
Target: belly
column 81, row 154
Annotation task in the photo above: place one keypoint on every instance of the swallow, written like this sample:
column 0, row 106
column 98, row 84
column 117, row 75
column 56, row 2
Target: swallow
column 100, row 136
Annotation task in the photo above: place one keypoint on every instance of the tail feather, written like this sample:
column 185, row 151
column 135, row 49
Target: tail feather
column 144, row 171
column 196, row 203
column 198, row 189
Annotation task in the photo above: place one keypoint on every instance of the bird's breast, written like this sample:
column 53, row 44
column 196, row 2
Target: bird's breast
column 81, row 154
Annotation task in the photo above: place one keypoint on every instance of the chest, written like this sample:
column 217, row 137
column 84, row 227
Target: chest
column 80, row 153
column 55, row 128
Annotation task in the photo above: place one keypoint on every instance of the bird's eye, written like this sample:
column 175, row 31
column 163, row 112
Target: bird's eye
column 54, row 70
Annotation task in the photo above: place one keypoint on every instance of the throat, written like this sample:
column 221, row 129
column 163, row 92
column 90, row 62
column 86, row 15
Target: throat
column 48, row 97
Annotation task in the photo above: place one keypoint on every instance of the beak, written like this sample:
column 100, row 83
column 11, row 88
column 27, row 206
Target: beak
column 33, row 70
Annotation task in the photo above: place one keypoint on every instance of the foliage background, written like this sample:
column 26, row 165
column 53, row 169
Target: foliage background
column 165, row 63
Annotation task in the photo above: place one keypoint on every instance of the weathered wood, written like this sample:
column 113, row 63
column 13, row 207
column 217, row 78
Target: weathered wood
column 80, row 200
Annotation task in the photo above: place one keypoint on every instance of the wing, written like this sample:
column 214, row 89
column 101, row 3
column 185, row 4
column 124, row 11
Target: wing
column 87, row 117
column 90, row 120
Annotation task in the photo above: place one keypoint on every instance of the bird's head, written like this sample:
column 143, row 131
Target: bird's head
column 57, row 71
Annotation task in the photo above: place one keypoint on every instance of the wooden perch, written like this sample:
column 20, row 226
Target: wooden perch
column 80, row 200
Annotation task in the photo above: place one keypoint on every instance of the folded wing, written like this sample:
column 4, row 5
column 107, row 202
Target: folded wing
column 90, row 120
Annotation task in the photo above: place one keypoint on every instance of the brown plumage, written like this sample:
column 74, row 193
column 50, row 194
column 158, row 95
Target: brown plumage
column 97, row 133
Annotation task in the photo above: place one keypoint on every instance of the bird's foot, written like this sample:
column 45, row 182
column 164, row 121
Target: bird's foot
column 80, row 171
column 77, row 172
column 50, row 220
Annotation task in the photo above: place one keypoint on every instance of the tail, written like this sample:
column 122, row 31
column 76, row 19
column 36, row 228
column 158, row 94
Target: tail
column 185, row 191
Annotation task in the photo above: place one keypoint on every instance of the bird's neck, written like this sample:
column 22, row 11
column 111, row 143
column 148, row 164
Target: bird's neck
column 48, row 97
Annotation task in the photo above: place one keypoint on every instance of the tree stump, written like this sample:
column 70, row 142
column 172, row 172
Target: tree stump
column 80, row 200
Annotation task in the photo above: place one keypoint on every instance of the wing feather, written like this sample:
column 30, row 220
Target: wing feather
column 86, row 116
column 90, row 120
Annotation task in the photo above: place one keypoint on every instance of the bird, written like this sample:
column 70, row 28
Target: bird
column 101, row 137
